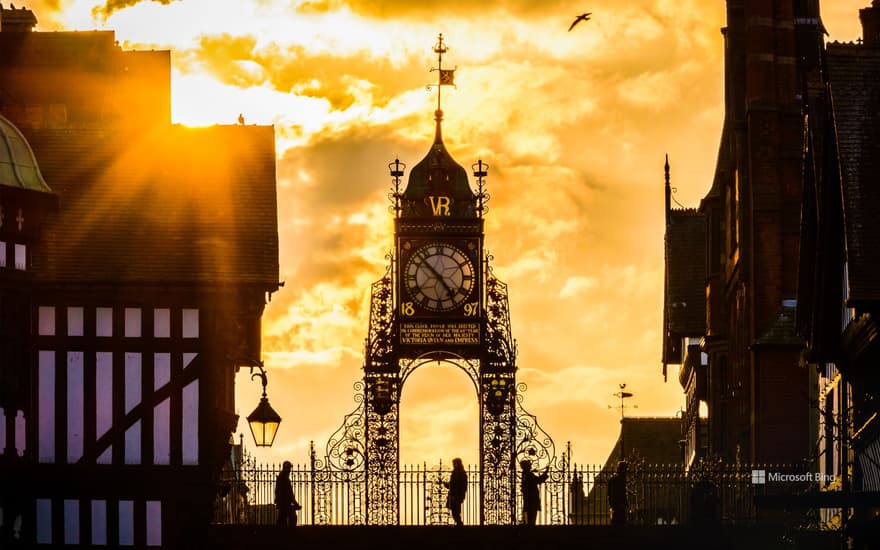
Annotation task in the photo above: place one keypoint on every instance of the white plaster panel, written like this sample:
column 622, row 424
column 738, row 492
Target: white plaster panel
column 161, row 369
column 190, row 327
column 132, row 380
column 46, row 407
column 190, row 428
column 75, row 406
column 20, row 257
column 99, row 522
column 162, row 432
column 133, row 444
column 132, row 322
column 71, row 521
column 104, row 321
column 161, row 323
column 154, row 523
column 103, row 392
column 46, row 321
column 126, row 523
column 44, row 521
column 74, row 321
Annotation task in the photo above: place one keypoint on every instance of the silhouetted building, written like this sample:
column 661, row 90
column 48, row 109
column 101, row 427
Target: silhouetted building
column 128, row 305
column 839, row 283
column 757, row 397
column 684, row 318
column 645, row 442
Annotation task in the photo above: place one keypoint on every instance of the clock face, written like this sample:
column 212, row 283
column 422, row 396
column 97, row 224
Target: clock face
column 439, row 277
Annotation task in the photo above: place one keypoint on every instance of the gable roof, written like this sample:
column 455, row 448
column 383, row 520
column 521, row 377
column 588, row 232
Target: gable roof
column 653, row 439
column 164, row 205
column 854, row 74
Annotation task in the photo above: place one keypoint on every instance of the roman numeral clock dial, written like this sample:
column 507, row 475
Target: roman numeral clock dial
column 439, row 277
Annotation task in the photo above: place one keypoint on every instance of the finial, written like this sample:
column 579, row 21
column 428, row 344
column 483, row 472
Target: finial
column 396, row 169
column 481, row 170
column 445, row 77
column 667, row 189
column 666, row 169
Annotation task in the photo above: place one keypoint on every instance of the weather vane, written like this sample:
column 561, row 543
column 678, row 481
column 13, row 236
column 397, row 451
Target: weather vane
column 445, row 77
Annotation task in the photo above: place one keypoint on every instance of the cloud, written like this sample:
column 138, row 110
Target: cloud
column 406, row 9
column 112, row 6
column 575, row 127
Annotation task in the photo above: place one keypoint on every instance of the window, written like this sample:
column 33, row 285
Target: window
column 20, row 257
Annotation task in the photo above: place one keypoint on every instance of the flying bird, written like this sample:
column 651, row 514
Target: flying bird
column 579, row 18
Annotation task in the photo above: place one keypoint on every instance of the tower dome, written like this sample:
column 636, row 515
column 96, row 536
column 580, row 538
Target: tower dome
column 438, row 175
column 18, row 165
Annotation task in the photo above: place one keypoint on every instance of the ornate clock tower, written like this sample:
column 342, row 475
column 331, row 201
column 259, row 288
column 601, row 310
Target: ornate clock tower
column 438, row 301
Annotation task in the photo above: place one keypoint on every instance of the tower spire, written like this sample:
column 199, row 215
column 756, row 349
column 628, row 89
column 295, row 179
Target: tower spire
column 445, row 77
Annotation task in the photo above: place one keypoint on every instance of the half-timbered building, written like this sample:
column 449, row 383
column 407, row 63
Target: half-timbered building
column 138, row 259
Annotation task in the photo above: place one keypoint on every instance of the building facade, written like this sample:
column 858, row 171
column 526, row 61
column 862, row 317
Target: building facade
column 136, row 300
column 756, row 395
column 838, row 293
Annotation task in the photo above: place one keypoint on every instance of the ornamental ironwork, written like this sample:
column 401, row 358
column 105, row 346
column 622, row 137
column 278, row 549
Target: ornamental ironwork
column 439, row 301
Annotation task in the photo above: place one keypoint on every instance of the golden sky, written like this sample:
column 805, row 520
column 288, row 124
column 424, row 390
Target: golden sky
column 574, row 125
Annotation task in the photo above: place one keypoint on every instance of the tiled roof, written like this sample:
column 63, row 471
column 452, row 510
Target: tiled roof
column 685, row 306
column 167, row 205
column 653, row 439
column 854, row 75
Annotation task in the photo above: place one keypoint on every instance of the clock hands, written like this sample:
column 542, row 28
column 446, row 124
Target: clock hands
column 440, row 278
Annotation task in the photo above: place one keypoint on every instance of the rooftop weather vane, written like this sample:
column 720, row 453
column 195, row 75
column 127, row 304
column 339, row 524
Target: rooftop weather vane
column 445, row 77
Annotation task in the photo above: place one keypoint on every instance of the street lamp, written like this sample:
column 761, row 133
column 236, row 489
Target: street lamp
column 264, row 420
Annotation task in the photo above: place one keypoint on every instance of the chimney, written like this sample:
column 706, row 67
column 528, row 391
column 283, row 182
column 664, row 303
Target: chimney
column 870, row 18
column 16, row 20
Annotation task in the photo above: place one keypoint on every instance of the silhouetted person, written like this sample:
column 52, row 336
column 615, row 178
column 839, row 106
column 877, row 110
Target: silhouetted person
column 457, row 486
column 284, row 499
column 617, row 495
column 529, row 486
column 704, row 500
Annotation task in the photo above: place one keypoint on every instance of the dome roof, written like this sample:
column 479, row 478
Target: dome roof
column 438, row 175
column 18, row 165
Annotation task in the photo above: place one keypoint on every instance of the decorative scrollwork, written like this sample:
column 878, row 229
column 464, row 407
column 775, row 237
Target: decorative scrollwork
column 532, row 442
column 379, row 352
column 500, row 347
column 436, row 492
column 345, row 448
column 365, row 451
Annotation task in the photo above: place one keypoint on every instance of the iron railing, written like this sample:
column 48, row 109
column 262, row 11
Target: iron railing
column 572, row 495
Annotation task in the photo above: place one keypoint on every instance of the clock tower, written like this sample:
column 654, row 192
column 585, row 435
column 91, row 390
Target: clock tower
column 439, row 251
column 438, row 301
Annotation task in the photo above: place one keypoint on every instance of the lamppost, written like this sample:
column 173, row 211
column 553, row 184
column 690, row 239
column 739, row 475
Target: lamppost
column 264, row 421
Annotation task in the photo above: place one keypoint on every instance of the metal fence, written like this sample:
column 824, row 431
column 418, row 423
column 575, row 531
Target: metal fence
column 573, row 495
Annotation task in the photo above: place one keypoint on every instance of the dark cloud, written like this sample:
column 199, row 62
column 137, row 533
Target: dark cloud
column 112, row 6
